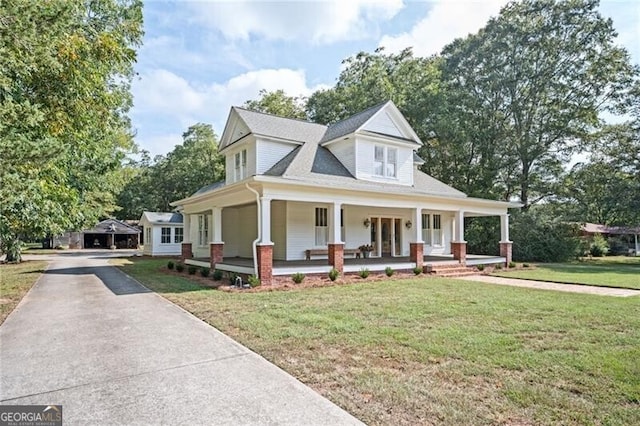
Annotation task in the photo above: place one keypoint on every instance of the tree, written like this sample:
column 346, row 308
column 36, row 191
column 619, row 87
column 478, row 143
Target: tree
column 372, row 78
column 190, row 166
column 65, row 69
column 278, row 103
column 535, row 78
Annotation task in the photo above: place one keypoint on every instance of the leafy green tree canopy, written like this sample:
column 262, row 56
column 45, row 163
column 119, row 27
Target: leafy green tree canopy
column 65, row 70
column 278, row 103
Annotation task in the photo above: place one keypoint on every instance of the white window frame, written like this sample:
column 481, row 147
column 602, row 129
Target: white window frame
column 385, row 161
column 432, row 229
column 321, row 226
column 426, row 228
column 203, row 230
column 165, row 236
column 178, row 237
column 240, row 165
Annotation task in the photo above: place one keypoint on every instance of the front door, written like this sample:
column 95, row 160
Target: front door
column 385, row 233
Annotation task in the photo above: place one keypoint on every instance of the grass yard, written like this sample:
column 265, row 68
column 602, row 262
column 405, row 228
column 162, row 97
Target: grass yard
column 615, row 271
column 15, row 282
column 437, row 351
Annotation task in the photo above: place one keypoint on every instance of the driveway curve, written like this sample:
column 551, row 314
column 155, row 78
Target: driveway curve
column 91, row 338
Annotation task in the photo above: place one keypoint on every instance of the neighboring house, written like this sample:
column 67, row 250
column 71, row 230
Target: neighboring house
column 109, row 233
column 162, row 232
column 296, row 190
column 629, row 235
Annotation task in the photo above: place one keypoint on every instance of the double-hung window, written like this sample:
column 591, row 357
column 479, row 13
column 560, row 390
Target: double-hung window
column 203, row 229
column 426, row 228
column 322, row 226
column 240, row 161
column 432, row 229
column 165, row 237
column 385, row 161
column 178, row 235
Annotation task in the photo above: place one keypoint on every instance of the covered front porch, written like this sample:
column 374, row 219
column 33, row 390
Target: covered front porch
column 245, row 265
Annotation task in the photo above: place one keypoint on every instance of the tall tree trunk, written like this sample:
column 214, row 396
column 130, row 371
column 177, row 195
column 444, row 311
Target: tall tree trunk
column 13, row 249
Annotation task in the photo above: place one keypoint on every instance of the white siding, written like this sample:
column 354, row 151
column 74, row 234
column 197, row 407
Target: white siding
column 269, row 153
column 345, row 152
column 365, row 149
column 279, row 229
column 154, row 247
column 300, row 228
column 230, row 167
column 382, row 123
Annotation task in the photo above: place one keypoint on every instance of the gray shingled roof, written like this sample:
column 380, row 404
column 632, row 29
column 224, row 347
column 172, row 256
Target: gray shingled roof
column 210, row 187
column 351, row 124
column 158, row 217
column 281, row 166
column 112, row 226
column 417, row 159
column 325, row 163
column 280, row 127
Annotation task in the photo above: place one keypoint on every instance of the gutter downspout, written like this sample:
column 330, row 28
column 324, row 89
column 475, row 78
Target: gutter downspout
column 255, row 242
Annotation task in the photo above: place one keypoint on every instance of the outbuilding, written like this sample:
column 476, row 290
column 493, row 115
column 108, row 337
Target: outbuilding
column 163, row 233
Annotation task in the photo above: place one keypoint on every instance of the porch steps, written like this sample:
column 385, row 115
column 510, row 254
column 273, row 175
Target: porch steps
column 451, row 270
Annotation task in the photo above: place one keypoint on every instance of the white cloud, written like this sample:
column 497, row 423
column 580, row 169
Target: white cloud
column 445, row 21
column 168, row 103
column 315, row 21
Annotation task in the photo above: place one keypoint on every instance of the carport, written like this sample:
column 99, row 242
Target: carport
column 111, row 232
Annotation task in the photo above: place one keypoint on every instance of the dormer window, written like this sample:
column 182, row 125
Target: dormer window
column 241, row 165
column 385, row 161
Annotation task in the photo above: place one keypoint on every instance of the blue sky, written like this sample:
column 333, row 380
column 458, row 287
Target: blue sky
column 199, row 58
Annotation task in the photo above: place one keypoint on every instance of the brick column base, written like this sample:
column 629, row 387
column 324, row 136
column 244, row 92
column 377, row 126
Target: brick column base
column 416, row 254
column 336, row 256
column 265, row 263
column 186, row 251
column 506, row 251
column 459, row 251
column 215, row 254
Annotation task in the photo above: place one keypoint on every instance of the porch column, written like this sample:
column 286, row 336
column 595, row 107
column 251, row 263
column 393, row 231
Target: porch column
column 416, row 247
column 265, row 219
column 186, row 248
column 458, row 244
column 336, row 245
column 216, row 245
column 264, row 254
column 506, row 246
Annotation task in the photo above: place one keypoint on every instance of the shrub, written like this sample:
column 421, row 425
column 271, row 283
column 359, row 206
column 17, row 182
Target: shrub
column 599, row 246
column 364, row 273
column 480, row 267
column 512, row 264
column 388, row 270
column 253, row 281
column 170, row 264
column 205, row 272
column 180, row 267
column 497, row 266
column 525, row 265
column 297, row 277
column 192, row 270
column 217, row 275
column 417, row 270
column 333, row 274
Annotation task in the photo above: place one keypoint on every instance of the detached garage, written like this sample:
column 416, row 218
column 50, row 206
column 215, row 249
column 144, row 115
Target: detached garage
column 111, row 233
column 163, row 233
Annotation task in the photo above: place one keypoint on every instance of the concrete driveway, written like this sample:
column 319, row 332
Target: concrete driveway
column 111, row 352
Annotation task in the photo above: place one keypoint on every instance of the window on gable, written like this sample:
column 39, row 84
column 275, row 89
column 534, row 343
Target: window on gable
column 240, row 162
column 378, row 161
column 385, row 161
column 322, row 226
column 178, row 235
column 166, row 235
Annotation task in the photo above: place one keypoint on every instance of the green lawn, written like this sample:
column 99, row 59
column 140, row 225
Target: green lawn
column 616, row 271
column 15, row 282
column 438, row 351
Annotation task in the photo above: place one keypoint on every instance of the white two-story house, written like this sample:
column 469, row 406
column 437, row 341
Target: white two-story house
column 299, row 191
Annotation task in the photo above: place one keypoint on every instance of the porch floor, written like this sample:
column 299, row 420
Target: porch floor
column 244, row 265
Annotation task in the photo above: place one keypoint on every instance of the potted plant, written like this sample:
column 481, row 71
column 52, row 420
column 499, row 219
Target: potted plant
column 365, row 249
